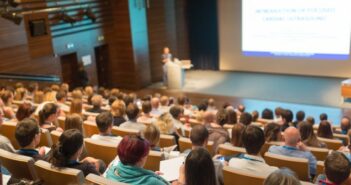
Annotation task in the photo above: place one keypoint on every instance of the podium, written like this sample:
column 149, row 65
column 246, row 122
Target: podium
column 176, row 73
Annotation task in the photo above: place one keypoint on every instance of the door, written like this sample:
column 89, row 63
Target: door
column 69, row 66
column 102, row 60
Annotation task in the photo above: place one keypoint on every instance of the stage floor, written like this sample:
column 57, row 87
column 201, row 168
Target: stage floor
column 257, row 91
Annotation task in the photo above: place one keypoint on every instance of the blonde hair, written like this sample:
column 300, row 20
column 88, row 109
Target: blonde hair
column 165, row 123
column 118, row 108
column 152, row 134
column 19, row 93
column 89, row 91
column 76, row 106
column 50, row 96
column 96, row 100
column 38, row 97
column 55, row 87
column 77, row 94
column 114, row 92
column 74, row 121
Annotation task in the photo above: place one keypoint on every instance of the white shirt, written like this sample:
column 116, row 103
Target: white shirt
column 108, row 139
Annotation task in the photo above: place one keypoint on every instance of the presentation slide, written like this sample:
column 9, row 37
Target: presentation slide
column 318, row 29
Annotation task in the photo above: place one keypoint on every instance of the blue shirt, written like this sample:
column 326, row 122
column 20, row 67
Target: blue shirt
column 295, row 152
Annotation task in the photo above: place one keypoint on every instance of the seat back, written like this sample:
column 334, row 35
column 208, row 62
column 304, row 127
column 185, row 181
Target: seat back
column 239, row 177
column 266, row 146
column 166, row 140
column 226, row 150
column 320, row 168
column 153, row 160
column 45, row 138
column 320, row 153
column 333, row 144
column 101, row 150
column 343, row 138
column 298, row 165
column 185, row 143
column 55, row 135
column 124, row 131
column 61, row 122
column 53, row 176
column 8, row 129
column 20, row 166
column 99, row 180
column 187, row 132
column 90, row 128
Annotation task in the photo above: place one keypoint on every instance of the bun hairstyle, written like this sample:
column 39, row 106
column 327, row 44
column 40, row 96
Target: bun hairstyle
column 47, row 111
column 69, row 143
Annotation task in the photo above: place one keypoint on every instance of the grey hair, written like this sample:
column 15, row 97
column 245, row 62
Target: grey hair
column 282, row 176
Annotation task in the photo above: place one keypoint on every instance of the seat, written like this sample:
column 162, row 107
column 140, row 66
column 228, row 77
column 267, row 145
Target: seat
column 185, row 143
column 55, row 135
column 101, row 150
column 124, row 131
column 8, row 129
column 153, row 160
column 20, row 166
column 298, row 165
column 90, row 128
column 266, row 146
column 166, row 140
column 187, row 131
column 333, row 144
column 239, row 177
column 54, row 176
column 45, row 138
column 226, row 150
column 343, row 138
column 99, row 180
column 194, row 122
column 320, row 168
column 61, row 121
column 320, row 153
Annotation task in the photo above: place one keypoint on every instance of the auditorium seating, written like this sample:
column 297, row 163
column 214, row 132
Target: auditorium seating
column 8, row 129
column 226, row 150
column 343, row 138
column 320, row 153
column 20, row 167
column 266, row 146
column 50, row 175
column 153, row 160
column 45, row 138
column 320, row 168
column 166, row 140
column 90, row 128
column 99, row 180
column 123, row 131
column 185, row 143
column 61, row 122
column 101, row 150
column 333, row 144
column 55, row 135
column 233, row 176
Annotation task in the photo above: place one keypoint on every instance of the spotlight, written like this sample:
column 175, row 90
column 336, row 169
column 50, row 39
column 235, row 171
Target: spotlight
column 15, row 18
column 90, row 14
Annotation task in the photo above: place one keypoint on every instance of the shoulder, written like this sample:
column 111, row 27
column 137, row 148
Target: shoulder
column 87, row 168
column 156, row 180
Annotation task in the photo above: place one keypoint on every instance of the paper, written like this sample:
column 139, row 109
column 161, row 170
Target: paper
column 170, row 168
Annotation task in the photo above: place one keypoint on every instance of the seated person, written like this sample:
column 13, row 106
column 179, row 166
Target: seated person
column 128, row 168
column 308, row 136
column 300, row 116
column 68, row 150
column 253, row 140
column 237, row 132
column 28, row 137
column 152, row 135
column 177, row 112
column 282, row 176
column 96, row 101
column 132, row 112
column 345, row 125
column 272, row 132
column 155, row 104
column 118, row 109
column 245, row 118
column 48, row 116
column 146, row 116
column 325, row 130
column 104, row 124
column 293, row 147
column 217, row 133
column 287, row 117
column 336, row 169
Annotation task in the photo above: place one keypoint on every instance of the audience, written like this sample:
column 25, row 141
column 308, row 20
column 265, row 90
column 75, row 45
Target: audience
column 76, row 106
column 155, row 104
column 132, row 112
column 282, row 177
column 146, row 116
column 345, row 125
column 48, row 116
column 245, row 118
column 104, row 124
column 323, row 117
column 25, row 110
column 325, row 130
column 74, row 121
column 96, row 101
column 177, row 112
column 278, row 115
column 272, row 132
column 310, row 120
column 164, row 101
column 152, row 134
column 118, row 109
column 217, row 133
column 237, row 131
column 61, row 99
column 232, row 117
column 267, row 114
column 300, row 116
column 308, row 137
column 287, row 117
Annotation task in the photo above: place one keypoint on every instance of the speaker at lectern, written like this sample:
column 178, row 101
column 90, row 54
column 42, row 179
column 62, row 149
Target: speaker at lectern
column 176, row 73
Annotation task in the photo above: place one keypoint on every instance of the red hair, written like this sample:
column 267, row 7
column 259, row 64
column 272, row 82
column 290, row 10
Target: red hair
column 132, row 149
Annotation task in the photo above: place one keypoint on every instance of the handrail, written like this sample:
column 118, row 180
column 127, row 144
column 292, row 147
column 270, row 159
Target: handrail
column 46, row 78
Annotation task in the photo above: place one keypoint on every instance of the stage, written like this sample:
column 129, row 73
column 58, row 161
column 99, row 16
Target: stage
column 257, row 91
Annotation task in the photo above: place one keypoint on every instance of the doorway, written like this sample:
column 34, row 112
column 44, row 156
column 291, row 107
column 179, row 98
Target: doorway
column 102, row 60
column 69, row 68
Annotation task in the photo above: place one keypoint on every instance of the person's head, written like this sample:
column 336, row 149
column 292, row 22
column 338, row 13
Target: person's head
column 155, row 103
column 325, row 130
column 221, row 117
column 323, row 117
column 68, row 148
column 77, row 94
column 241, row 108
column 292, row 136
column 112, row 99
column 146, row 107
column 182, row 100
column 176, row 111
column 132, row 111
column 27, row 133
column 32, row 87
column 133, row 150
column 287, row 116
column 55, row 87
column 20, row 93
column 7, row 97
column 118, row 108
column 253, row 139
column 164, row 100
column 50, row 96
column 267, row 114
column 255, row 114
column 232, row 117
column 38, row 97
column 25, row 110
column 74, row 121
column 76, row 106
column 64, row 87
column 245, row 118
column 104, row 122
column 310, row 120
column 345, row 124
column 152, row 134
column 128, row 99
column 278, row 112
column 337, row 167
column 199, row 168
column 237, row 132
column 209, row 117
column 49, row 113
column 199, row 136
column 89, row 91
column 166, row 50
column 96, row 100
column 272, row 132
column 282, row 176
column 114, row 92
column 306, row 131
column 300, row 116
column 165, row 123
column 61, row 96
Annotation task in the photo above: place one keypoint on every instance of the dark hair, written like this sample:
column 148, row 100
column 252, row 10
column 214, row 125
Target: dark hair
column 278, row 111
column 182, row 100
column 132, row 148
column 245, row 118
column 310, row 120
column 287, row 115
column 176, row 111
column 202, row 107
column 74, row 121
column 198, row 135
column 237, row 132
column 104, row 121
column 60, row 95
column 69, row 143
column 337, row 167
column 132, row 111
column 267, row 114
column 111, row 99
column 232, row 117
column 325, row 130
column 323, row 116
column 128, row 99
column 271, row 131
column 46, row 112
column 26, row 131
column 300, row 115
column 146, row 107
column 199, row 168
column 241, row 108
column 307, row 134
column 253, row 139
column 32, row 86
column 345, row 127
column 25, row 110
column 283, row 176
column 255, row 114
column 221, row 117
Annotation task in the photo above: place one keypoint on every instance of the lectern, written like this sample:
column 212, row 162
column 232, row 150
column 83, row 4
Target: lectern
column 176, row 73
